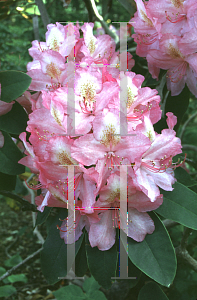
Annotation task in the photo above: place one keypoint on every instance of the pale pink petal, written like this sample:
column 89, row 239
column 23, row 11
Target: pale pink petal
column 59, row 149
column 87, row 195
column 171, row 120
column 102, row 234
column 164, row 144
column 42, row 123
column 34, row 65
column 44, row 202
column 87, row 150
column 40, row 81
column 177, row 86
column 5, row 107
column 164, row 180
column 29, row 162
column 192, row 81
column 142, row 203
column 52, row 64
column 139, row 225
column 147, row 184
column 72, row 233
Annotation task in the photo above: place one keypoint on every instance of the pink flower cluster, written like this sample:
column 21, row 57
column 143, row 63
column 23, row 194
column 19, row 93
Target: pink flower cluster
column 96, row 149
column 165, row 33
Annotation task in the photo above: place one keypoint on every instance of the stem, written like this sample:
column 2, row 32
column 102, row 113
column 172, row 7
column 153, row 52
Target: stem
column 36, row 27
column 20, row 264
column 43, row 12
column 183, row 253
column 186, row 234
column 89, row 9
column 104, row 25
column 187, row 258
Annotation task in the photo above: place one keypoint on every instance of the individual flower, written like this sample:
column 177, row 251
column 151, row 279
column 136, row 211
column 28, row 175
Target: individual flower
column 181, row 69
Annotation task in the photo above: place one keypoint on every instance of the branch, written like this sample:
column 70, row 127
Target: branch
column 36, row 27
column 186, row 234
column 187, row 258
column 104, row 25
column 20, row 264
column 43, row 12
column 89, row 9
column 183, row 253
column 186, row 123
column 26, row 206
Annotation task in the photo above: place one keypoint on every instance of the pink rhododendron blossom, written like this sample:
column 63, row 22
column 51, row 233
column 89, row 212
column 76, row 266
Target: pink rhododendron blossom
column 181, row 69
column 88, row 67
column 165, row 33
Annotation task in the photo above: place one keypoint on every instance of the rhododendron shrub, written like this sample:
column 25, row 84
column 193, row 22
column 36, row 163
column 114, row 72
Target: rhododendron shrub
column 97, row 150
column 102, row 160
column 165, row 33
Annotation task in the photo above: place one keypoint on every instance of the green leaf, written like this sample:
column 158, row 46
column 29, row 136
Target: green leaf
column 102, row 264
column 18, row 277
column 13, row 84
column 42, row 216
column 155, row 255
column 69, row 292
column 129, row 5
column 190, row 135
column 73, row 292
column 133, row 271
column 7, row 290
column 20, row 189
column 33, row 10
column 81, row 265
column 7, row 182
column 90, row 285
column 183, row 177
column 13, row 261
column 54, row 253
column 152, row 291
column 180, row 205
column 2, row 271
column 97, row 295
column 15, row 121
column 9, row 157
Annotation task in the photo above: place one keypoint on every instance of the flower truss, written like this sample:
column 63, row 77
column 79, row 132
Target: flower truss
column 165, row 33
column 96, row 148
